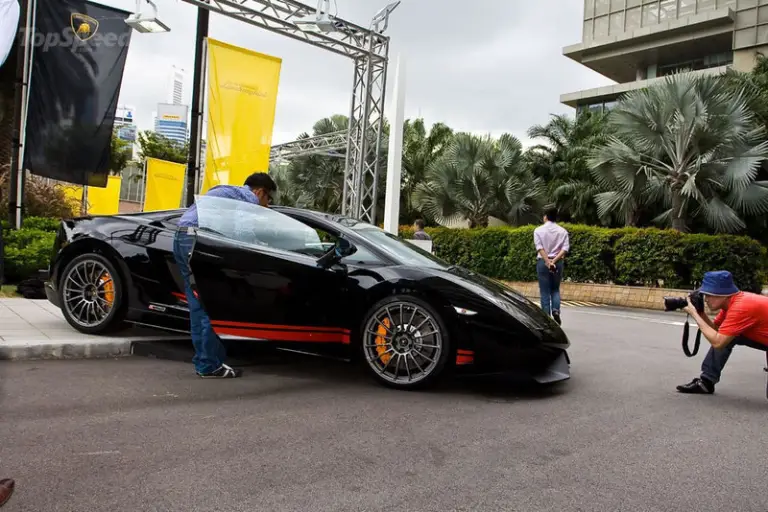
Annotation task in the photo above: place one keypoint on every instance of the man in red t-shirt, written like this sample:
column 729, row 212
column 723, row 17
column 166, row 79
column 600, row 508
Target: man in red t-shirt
column 742, row 320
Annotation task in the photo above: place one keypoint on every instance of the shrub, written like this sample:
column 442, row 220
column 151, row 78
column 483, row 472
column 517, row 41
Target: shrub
column 627, row 256
column 26, row 251
column 42, row 198
column 41, row 223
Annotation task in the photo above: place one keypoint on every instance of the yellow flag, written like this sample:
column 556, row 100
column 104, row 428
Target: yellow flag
column 105, row 201
column 242, row 97
column 73, row 195
column 165, row 185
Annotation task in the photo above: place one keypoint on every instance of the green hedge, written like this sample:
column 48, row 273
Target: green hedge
column 28, row 250
column 627, row 256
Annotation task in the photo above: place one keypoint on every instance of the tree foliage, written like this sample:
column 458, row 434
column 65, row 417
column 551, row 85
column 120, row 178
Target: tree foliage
column 155, row 145
column 691, row 148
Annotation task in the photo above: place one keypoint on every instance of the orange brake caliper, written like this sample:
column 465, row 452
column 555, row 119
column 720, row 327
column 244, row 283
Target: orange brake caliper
column 109, row 288
column 381, row 342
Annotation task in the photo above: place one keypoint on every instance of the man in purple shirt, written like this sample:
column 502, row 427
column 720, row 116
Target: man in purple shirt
column 209, row 351
column 552, row 243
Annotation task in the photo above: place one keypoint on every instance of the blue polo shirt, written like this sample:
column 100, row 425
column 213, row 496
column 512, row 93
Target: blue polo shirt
column 189, row 219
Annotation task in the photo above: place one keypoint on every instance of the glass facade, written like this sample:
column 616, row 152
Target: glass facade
column 596, row 106
column 603, row 18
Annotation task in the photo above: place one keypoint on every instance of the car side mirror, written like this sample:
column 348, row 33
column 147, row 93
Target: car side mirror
column 341, row 249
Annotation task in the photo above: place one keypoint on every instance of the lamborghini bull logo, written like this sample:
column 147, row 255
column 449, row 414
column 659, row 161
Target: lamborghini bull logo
column 84, row 26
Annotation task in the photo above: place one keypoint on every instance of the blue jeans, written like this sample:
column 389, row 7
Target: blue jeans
column 209, row 351
column 549, row 286
column 714, row 362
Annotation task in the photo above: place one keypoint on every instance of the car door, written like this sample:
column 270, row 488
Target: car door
column 256, row 273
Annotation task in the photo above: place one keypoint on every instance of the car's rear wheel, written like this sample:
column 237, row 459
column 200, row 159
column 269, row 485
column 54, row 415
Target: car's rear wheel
column 405, row 343
column 92, row 294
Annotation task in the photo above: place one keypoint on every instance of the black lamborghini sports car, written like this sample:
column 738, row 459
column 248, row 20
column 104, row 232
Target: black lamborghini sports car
column 305, row 281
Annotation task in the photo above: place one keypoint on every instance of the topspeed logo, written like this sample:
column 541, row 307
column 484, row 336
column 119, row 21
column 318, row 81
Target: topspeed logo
column 81, row 33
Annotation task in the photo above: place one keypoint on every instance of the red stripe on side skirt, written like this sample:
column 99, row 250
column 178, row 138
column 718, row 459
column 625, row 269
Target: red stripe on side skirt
column 298, row 336
column 248, row 325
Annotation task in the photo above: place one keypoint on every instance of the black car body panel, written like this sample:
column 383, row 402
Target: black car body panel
column 288, row 299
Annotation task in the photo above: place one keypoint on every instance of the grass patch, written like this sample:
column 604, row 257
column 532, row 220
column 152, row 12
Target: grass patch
column 8, row 291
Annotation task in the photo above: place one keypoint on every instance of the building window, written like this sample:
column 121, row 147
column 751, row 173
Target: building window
column 650, row 14
column 589, row 8
column 617, row 23
column 705, row 5
column 667, row 10
column 617, row 5
column 633, row 19
column 601, row 7
column 686, row 8
column 601, row 27
column 588, row 30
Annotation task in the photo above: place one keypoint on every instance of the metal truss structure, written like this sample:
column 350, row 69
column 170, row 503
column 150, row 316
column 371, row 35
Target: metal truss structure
column 369, row 50
column 322, row 144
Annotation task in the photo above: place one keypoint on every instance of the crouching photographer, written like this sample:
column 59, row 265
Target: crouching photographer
column 742, row 320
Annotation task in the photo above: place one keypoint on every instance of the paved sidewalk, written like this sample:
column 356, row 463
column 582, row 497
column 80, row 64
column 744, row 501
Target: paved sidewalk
column 36, row 329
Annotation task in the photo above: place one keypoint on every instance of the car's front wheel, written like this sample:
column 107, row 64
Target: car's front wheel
column 405, row 343
column 91, row 294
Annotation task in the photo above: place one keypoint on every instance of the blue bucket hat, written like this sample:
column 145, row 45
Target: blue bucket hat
column 718, row 283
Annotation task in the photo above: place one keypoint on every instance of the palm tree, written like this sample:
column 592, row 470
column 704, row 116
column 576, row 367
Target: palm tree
column 561, row 160
column 317, row 181
column 476, row 178
column 420, row 150
column 689, row 146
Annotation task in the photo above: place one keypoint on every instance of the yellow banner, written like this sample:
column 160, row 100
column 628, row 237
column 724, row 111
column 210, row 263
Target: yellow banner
column 73, row 194
column 165, row 185
column 105, row 201
column 242, row 97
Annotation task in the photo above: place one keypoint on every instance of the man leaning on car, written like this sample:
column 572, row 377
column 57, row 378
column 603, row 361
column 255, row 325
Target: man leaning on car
column 209, row 351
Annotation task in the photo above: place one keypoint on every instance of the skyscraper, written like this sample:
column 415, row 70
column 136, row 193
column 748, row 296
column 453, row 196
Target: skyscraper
column 176, row 94
column 171, row 122
column 636, row 43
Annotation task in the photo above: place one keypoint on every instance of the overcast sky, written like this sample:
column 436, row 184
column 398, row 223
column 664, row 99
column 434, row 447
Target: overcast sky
column 485, row 66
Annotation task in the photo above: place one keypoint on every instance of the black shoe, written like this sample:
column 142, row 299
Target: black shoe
column 556, row 316
column 699, row 386
column 223, row 372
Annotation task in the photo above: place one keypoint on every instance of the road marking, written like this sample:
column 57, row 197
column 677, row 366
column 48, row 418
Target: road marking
column 108, row 452
column 633, row 317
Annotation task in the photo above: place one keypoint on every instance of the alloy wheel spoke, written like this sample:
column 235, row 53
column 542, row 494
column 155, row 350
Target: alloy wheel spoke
column 406, row 358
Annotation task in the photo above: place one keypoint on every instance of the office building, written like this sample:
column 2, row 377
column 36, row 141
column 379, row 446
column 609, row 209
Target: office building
column 125, row 126
column 176, row 93
column 171, row 121
column 636, row 43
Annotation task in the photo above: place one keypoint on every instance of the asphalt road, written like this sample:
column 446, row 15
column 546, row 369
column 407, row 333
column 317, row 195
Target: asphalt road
column 145, row 435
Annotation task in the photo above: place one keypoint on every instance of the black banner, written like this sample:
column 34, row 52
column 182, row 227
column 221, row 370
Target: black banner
column 79, row 52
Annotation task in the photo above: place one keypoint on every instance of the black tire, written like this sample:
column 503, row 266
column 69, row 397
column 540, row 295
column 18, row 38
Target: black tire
column 433, row 371
column 113, row 320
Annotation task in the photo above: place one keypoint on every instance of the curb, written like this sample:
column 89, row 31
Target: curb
column 74, row 349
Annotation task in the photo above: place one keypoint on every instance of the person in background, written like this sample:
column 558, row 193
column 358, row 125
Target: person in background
column 209, row 351
column 419, row 233
column 552, row 243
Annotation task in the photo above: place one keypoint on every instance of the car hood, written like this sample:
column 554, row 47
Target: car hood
column 534, row 316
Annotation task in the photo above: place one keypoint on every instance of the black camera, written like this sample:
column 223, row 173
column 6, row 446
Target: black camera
column 675, row 303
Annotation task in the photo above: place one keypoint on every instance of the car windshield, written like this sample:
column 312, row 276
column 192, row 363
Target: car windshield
column 251, row 224
column 398, row 248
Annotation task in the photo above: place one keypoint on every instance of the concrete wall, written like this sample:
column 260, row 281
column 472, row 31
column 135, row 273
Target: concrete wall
column 611, row 295
column 745, row 60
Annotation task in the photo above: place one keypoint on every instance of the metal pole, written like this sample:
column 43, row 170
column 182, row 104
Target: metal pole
column 15, row 191
column 394, row 166
column 198, row 81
